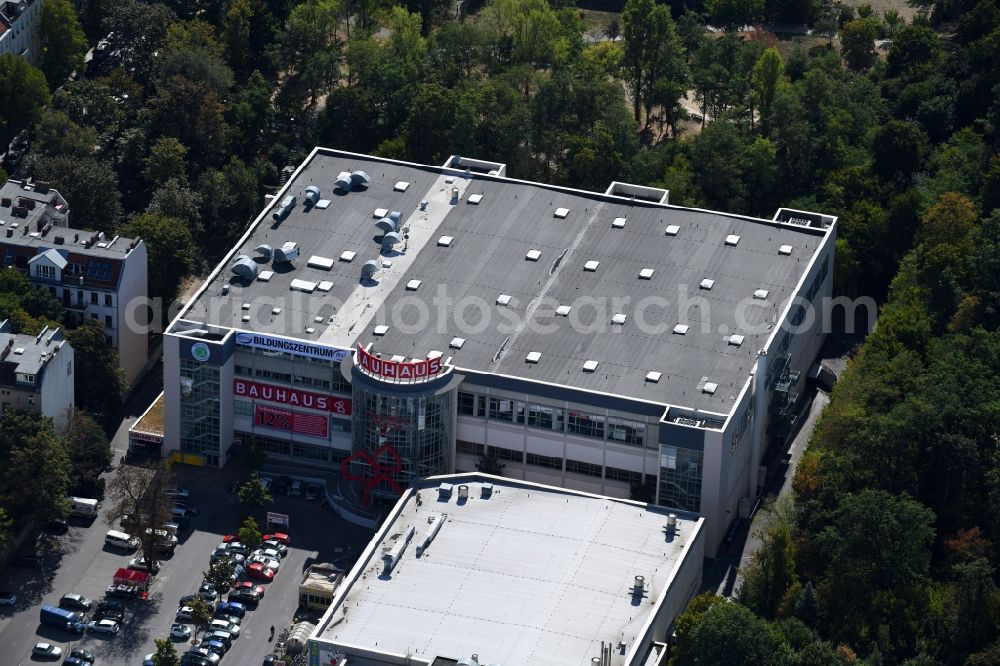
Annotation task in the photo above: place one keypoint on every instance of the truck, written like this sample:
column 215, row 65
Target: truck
column 60, row 618
column 83, row 506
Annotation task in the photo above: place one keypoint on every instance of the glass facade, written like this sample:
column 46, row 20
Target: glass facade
column 401, row 437
column 680, row 478
column 200, row 409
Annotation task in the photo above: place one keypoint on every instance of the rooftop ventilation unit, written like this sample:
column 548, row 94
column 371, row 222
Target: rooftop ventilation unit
column 360, row 178
column 286, row 253
column 785, row 249
column 589, row 366
column 434, row 524
column 401, row 186
column 533, row 357
column 287, row 204
column 760, row 294
column 369, row 269
column 264, row 250
column 385, row 225
column 456, row 343
column 343, row 181
column 390, row 240
column 533, row 255
column 685, row 421
column 653, row 377
column 348, row 255
column 245, row 268
column 561, row 213
column 380, row 212
column 394, row 216
column 646, row 274
column 390, row 557
column 710, row 388
column 312, row 195
column 732, row 239
column 618, row 223
column 673, row 229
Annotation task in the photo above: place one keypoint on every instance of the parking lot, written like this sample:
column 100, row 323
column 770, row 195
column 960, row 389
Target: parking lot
column 80, row 562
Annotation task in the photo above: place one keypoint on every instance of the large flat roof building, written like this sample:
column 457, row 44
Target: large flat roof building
column 601, row 341
column 514, row 573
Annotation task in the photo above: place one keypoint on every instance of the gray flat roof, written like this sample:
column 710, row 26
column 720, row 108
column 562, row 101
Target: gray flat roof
column 487, row 258
column 27, row 354
column 530, row 575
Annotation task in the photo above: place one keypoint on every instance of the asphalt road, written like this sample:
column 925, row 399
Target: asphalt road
column 80, row 562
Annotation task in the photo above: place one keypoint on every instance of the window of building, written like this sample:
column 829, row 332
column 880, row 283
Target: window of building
column 93, row 297
column 680, row 478
column 242, row 407
column 579, row 467
column 107, row 321
column 543, row 416
column 544, row 461
column 31, row 401
column 99, row 270
column 624, row 475
column 340, row 425
column 107, row 299
column 110, row 340
column 588, row 425
column 627, row 432
column 46, row 272
column 470, row 448
column 506, row 410
column 466, row 403
column 505, row 454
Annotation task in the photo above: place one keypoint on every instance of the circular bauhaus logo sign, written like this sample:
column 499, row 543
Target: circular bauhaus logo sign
column 201, row 352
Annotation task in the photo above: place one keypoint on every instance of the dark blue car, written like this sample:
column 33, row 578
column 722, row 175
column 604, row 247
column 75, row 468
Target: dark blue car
column 231, row 608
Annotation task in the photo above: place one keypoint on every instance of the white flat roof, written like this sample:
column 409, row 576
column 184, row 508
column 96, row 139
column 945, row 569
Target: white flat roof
column 530, row 575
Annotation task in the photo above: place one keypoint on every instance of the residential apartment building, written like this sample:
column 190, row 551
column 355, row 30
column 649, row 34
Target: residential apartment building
column 36, row 373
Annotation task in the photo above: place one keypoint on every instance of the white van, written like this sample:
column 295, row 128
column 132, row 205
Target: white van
column 121, row 540
column 82, row 506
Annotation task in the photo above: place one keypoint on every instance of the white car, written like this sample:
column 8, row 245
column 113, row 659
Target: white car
column 225, row 625
column 103, row 627
column 184, row 613
column 46, row 650
column 268, row 552
column 265, row 561
column 180, row 632
column 276, row 545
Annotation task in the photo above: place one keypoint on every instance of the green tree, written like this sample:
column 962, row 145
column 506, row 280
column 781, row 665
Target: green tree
column 201, row 614
column 23, row 94
column 976, row 607
column 236, row 25
column 88, row 448
column 99, row 382
column 90, row 186
column 635, row 59
column 57, row 134
column 807, row 606
column 770, row 573
column 899, row 149
column 253, row 494
column 171, row 250
column 249, row 533
column 731, row 15
column 178, row 201
column 166, row 161
column 63, row 41
column 767, row 76
column 165, row 654
column 857, row 39
column 221, row 574
column 35, row 478
column 729, row 633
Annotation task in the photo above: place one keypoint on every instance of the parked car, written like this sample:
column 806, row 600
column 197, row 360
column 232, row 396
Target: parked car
column 268, row 552
column 231, row 608
column 178, row 493
column 148, row 660
column 258, row 571
column 208, row 591
column 57, row 526
column 245, row 596
column 188, row 509
column 83, row 655
column 296, row 489
column 206, row 654
column 194, row 659
column 76, row 601
column 7, row 598
column 142, row 564
column 110, row 610
column 277, row 545
column 180, row 632
column 268, row 562
column 76, row 661
column 184, row 614
column 280, row 537
column 46, row 651
column 103, row 627
column 222, row 615
column 225, row 625
column 214, row 646
column 249, row 585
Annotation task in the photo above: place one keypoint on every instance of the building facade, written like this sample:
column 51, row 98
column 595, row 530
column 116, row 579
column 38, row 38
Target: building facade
column 20, row 23
column 95, row 278
column 438, row 319
column 36, row 374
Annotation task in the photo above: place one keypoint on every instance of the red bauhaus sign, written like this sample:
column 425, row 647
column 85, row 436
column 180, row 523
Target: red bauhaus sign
column 285, row 419
column 288, row 396
column 403, row 371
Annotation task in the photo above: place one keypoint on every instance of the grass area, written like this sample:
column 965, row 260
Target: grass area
column 152, row 421
column 595, row 22
column 901, row 6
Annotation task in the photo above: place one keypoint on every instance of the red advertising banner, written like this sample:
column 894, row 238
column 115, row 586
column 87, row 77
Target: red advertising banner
column 289, row 421
column 405, row 371
column 244, row 388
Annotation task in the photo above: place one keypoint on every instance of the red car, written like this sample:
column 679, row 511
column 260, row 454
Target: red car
column 230, row 537
column 248, row 585
column 260, row 572
column 280, row 537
